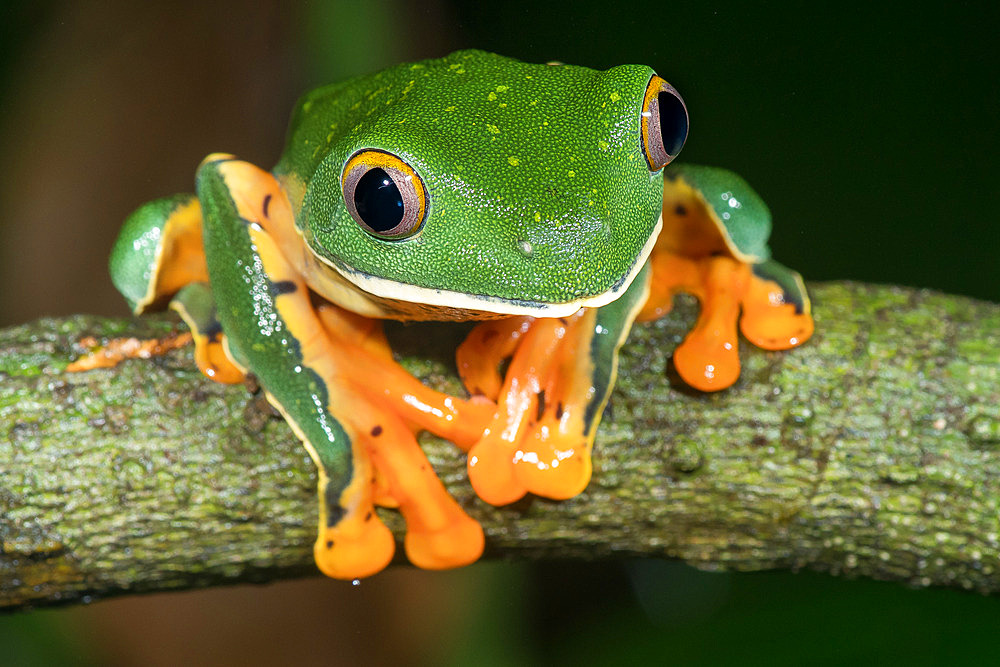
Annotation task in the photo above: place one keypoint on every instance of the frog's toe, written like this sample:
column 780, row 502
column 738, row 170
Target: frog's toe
column 196, row 307
column 556, row 467
column 543, row 463
column 708, row 359
column 775, row 327
column 459, row 541
column 776, row 309
column 491, row 471
column 354, row 548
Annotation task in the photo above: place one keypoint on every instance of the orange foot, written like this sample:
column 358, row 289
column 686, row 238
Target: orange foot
column 549, row 400
column 708, row 358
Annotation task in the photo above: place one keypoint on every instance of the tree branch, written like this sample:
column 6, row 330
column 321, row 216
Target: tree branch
column 872, row 451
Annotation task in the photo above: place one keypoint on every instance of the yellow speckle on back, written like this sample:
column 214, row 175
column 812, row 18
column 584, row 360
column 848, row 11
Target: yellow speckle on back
column 615, row 96
column 493, row 129
column 409, row 86
column 602, row 145
column 451, row 108
column 492, row 97
column 503, row 89
column 571, row 173
column 513, row 161
column 538, row 216
column 457, row 68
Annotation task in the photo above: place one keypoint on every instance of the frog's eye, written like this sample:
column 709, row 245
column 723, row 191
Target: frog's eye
column 383, row 194
column 664, row 123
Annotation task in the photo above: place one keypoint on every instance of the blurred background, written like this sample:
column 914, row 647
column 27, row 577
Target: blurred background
column 871, row 131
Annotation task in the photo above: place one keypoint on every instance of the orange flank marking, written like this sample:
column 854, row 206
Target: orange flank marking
column 118, row 350
column 769, row 322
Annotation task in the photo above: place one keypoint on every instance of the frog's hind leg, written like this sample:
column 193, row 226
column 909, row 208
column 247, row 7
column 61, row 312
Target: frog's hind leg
column 159, row 250
column 159, row 257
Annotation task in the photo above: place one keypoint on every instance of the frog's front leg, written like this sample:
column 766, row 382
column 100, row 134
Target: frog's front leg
column 322, row 385
column 560, row 375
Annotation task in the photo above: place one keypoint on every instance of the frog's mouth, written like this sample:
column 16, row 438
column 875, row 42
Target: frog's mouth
column 373, row 296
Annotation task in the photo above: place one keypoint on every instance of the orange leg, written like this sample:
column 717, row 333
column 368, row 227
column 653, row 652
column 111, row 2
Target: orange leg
column 345, row 359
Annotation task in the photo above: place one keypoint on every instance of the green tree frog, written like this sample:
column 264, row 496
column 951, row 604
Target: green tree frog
column 471, row 187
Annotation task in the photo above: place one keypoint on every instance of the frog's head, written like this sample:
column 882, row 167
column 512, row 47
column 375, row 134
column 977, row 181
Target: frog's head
column 477, row 183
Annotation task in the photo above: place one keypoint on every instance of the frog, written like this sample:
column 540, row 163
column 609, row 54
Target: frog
column 527, row 199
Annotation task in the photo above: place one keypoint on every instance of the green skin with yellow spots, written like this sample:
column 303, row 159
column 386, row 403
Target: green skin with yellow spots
column 538, row 188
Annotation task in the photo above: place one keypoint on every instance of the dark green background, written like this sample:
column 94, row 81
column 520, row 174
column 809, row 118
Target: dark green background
column 870, row 131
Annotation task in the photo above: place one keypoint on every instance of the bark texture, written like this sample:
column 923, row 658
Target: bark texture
column 873, row 451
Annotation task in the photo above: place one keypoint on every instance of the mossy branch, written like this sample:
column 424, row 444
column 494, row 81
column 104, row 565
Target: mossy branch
column 872, row 451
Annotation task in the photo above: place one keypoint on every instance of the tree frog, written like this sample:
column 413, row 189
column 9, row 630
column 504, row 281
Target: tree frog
column 470, row 187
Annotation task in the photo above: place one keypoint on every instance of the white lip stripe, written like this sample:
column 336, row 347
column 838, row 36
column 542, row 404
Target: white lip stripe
column 390, row 289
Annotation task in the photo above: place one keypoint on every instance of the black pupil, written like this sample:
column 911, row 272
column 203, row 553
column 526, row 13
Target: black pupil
column 378, row 201
column 673, row 123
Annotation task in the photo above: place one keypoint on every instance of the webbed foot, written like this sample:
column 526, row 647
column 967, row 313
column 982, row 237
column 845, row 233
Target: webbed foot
column 775, row 316
column 549, row 399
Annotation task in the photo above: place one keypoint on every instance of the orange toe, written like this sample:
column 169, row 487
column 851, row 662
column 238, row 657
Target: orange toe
column 708, row 362
column 354, row 548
